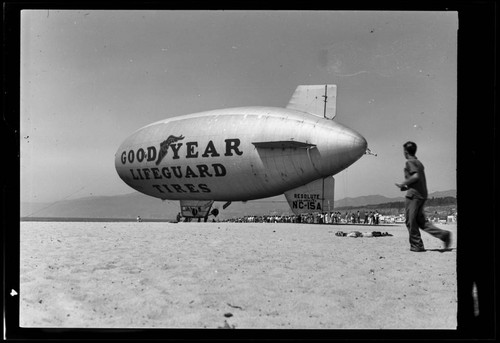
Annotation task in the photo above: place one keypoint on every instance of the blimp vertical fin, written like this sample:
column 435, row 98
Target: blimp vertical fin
column 320, row 100
column 316, row 196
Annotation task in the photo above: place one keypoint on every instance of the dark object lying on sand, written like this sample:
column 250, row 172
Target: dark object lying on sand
column 356, row 234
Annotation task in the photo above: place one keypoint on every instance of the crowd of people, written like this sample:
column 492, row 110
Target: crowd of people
column 370, row 218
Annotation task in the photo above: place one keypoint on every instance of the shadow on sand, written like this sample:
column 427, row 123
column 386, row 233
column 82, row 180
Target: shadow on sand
column 441, row 250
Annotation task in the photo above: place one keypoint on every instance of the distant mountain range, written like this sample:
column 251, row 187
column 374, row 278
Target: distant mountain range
column 129, row 206
column 380, row 199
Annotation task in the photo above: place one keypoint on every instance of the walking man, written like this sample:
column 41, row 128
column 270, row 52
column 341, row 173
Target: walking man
column 416, row 195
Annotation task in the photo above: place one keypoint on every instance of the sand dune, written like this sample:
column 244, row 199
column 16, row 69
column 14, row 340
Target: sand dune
column 197, row 275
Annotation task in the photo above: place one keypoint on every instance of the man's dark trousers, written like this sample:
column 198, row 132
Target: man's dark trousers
column 415, row 219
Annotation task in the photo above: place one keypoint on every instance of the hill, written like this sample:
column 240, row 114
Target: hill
column 379, row 199
column 129, row 206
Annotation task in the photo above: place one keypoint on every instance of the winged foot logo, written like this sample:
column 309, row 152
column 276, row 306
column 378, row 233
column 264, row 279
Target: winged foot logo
column 164, row 146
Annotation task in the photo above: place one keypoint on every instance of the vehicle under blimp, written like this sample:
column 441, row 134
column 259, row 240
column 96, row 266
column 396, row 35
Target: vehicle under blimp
column 244, row 153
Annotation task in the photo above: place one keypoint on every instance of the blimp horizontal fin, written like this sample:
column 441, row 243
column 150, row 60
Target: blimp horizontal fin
column 282, row 145
column 320, row 100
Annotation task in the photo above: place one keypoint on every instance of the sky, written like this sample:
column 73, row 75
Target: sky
column 89, row 78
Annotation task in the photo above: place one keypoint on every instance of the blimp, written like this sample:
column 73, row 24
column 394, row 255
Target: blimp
column 244, row 153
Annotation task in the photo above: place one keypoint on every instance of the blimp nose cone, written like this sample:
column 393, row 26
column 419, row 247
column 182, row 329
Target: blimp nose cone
column 359, row 145
column 345, row 146
column 351, row 144
column 351, row 147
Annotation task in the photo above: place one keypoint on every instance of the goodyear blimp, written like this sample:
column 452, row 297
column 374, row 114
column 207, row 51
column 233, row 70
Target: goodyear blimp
column 244, row 153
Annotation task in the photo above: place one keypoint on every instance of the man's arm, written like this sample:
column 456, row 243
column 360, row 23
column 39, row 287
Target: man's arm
column 413, row 178
column 404, row 185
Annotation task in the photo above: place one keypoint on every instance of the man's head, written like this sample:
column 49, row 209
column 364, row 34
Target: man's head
column 410, row 149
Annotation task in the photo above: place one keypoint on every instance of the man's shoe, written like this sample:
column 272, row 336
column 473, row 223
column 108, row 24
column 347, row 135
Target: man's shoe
column 417, row 249
column 447, row 241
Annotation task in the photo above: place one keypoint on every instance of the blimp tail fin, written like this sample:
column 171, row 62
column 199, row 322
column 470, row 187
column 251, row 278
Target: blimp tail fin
column 316, row 196
column 320, row 100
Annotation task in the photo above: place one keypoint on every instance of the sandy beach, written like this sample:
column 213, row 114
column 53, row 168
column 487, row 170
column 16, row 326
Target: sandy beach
column 210, row 275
